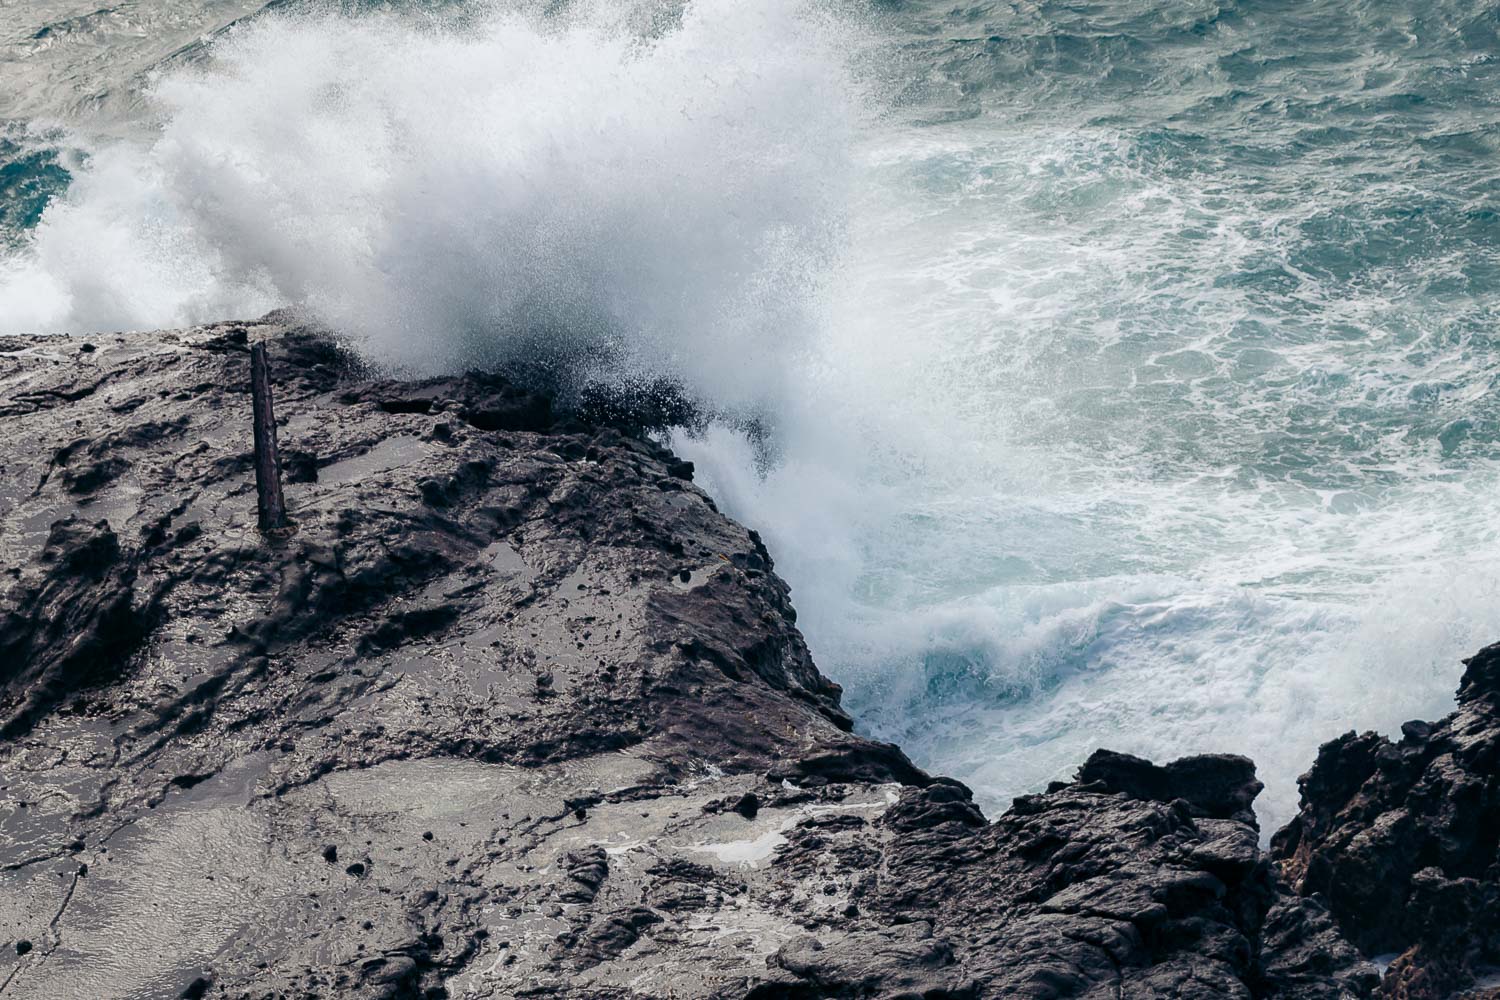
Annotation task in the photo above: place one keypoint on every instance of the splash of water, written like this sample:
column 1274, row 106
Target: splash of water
column 1139, row 419
column 667, row 201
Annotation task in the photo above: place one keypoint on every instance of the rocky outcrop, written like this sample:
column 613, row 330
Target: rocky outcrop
column 1402, row 842
column 515, row 712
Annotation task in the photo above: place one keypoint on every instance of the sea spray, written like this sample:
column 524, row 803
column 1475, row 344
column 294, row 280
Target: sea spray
column 664, row 202
column 1075, row 481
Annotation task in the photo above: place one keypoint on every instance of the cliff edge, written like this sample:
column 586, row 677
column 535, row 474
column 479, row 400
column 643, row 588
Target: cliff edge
column 516, row 712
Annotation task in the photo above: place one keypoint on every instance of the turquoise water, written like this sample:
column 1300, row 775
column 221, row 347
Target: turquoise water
column 31, row 174
column 1128, row 368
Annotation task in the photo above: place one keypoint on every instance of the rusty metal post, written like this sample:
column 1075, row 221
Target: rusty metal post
column 267, row 460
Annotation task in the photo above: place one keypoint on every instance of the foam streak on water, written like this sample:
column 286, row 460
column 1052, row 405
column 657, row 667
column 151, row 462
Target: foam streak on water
column 1124, row 373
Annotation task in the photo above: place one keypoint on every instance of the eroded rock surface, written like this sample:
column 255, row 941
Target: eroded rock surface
column 1402, row 840
column 514, row 713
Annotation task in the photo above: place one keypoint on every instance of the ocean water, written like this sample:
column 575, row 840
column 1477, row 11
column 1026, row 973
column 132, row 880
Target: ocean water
column 1099, row 374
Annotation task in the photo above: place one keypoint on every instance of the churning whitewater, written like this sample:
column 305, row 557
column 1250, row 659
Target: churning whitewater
column 1121, row 374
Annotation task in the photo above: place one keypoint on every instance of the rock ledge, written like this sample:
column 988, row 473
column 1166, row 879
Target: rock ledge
column 516, row 712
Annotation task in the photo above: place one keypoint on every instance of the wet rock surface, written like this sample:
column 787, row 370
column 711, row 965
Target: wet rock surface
column 515, row 712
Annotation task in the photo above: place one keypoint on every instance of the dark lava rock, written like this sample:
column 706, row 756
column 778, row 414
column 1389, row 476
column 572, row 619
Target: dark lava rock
column 586, row 870
column 75, row 618
column 559, row 708
column 1217, row 785
column 1401, row 840
column 748, row 805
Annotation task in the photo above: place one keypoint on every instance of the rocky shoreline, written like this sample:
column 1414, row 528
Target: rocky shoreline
column 516, row 712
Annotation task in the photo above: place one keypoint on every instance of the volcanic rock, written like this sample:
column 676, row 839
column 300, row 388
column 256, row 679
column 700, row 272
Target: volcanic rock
column 517, row 712
column 1401, row 840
